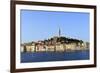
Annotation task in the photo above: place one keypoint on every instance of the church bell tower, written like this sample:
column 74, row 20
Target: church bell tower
column 59, row 32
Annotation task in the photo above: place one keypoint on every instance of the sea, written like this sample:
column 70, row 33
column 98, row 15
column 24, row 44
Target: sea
column 27, row 57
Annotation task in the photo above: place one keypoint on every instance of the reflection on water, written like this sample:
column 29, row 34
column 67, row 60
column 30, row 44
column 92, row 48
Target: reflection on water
column 54, row 56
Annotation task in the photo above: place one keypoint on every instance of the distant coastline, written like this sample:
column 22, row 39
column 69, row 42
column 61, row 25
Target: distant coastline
column 55, row 44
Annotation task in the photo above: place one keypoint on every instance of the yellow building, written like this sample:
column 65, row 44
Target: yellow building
column 71, row 46
column 28, row 47
column 40, row 48
column 50, row 48
column 60, row 47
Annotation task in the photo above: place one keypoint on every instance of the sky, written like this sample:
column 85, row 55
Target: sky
column 40, row 25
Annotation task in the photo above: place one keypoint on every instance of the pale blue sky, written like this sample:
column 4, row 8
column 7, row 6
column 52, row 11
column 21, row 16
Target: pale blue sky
column 40, row 25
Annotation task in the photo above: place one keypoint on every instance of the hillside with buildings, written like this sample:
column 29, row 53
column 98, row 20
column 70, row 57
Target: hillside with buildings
column 55, row 44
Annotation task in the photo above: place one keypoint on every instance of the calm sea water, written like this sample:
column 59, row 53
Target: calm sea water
column 54, row 56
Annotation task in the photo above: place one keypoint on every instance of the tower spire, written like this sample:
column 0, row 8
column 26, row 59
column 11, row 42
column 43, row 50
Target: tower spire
column 59, row 32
